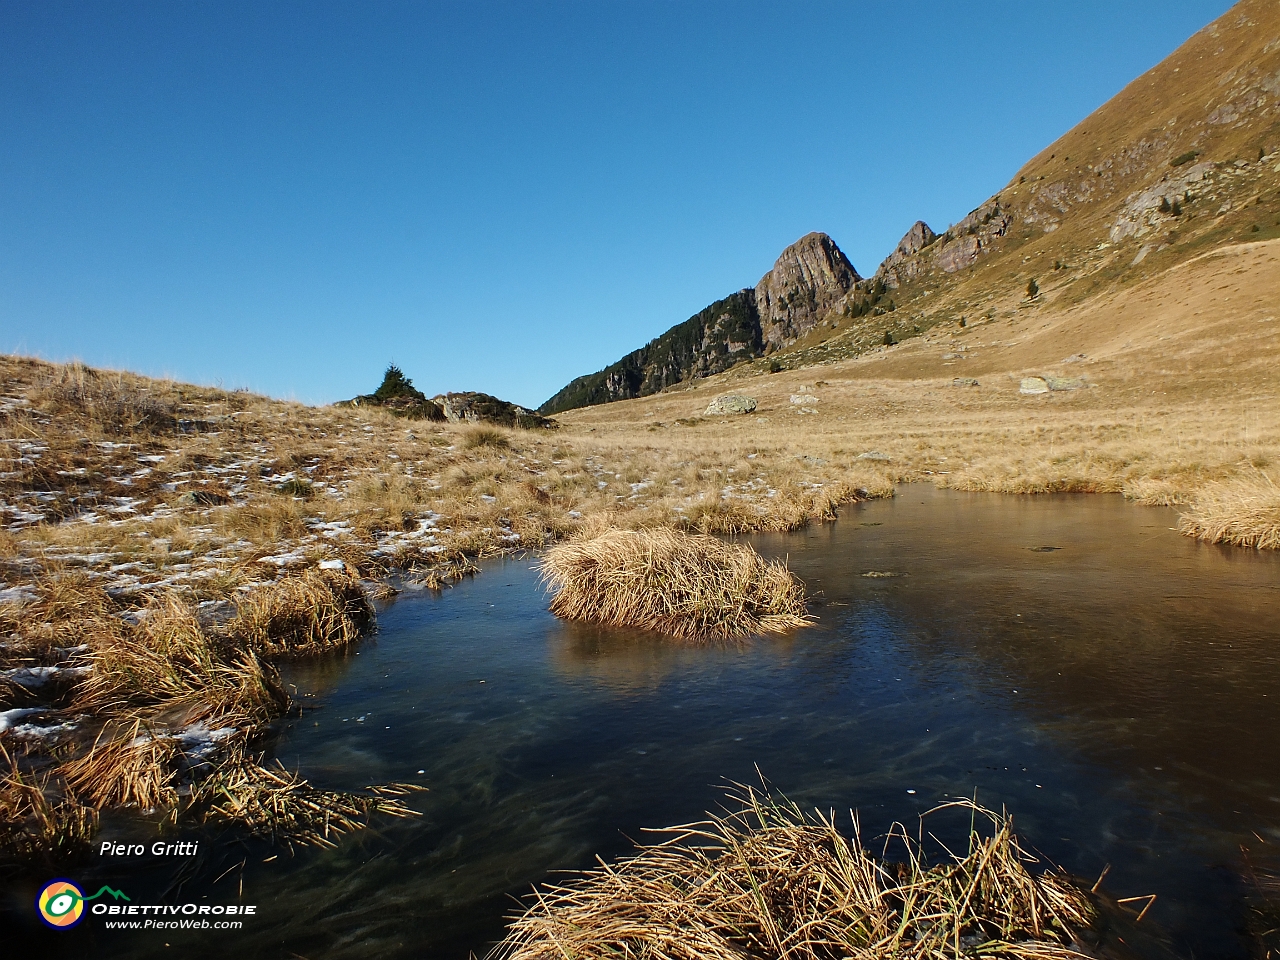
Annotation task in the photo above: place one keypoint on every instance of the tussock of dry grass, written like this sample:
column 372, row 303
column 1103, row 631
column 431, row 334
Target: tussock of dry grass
column 169, row 659
column 1245, row 513
column 116, row 404
column 768, row 881
column 689, row 586
column 1154, row 493
column 485, row 437
column 158, row 670
column 319, row 610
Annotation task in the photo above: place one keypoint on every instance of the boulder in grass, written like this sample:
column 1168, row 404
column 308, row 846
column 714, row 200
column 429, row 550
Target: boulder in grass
column 729, row 404
column 1038, row 385
column 1065, row 383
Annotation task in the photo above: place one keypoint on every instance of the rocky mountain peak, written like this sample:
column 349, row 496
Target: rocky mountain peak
column 901, row 265
column 916, row 239
column 807, row 281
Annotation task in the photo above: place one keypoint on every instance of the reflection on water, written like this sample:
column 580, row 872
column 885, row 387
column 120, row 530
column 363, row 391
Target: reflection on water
column 1118, row 693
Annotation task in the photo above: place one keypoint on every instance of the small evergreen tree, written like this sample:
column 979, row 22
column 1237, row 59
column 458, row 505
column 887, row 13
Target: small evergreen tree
column 396, row 384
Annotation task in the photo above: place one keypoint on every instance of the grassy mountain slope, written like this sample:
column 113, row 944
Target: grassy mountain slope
column 1184, row 159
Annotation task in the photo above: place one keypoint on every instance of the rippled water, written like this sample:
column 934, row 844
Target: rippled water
column 1118, row 693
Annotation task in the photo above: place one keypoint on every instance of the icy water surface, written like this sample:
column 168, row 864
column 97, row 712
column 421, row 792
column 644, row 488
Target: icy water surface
column 1118, row 693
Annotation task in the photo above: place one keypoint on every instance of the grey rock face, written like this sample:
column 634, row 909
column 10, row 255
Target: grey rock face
column 1032, row 386
column 964, row 382
column 1141, row 213
column 808, row 280
column 922, row 251
column 903, row 264
column 730, row 404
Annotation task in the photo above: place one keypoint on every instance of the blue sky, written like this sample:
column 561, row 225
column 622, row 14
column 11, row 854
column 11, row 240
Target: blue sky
column 287, row 196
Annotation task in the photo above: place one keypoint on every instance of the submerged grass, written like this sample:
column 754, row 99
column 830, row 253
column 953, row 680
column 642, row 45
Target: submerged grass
column 37, row 822
column 694, row 587
column 273, row 802
column 767, row 880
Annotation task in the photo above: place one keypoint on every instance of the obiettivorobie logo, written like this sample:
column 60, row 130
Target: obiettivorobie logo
column 61, row 903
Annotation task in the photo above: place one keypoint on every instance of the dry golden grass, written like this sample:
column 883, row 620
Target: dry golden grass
column 1245, row 513
column 689, row 586
column 127, row 766
column 114, row 404
column 770, row 881
column 170, row 660
column 318, row 610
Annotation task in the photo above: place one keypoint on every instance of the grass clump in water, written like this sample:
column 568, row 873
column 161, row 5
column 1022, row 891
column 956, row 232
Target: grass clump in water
column 316, row 611
column 1245, row 513
column 770, row 881
column 694, row 587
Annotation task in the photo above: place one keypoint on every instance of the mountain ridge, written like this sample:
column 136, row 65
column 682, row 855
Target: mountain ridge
column 810, row 278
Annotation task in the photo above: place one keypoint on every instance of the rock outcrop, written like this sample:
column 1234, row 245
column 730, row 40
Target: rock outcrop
column 903, row 265
column 810, row 279
column 474, row 407
column 398, row 395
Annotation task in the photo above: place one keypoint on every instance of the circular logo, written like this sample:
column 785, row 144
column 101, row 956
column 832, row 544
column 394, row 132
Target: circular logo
column 61, row 904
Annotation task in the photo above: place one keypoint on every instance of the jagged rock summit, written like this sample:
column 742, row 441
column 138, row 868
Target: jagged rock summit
column 810, row 279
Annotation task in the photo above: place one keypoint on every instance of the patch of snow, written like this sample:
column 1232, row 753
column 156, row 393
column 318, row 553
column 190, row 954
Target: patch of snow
column 33, row 677
column 20, row 594
column 10, row 718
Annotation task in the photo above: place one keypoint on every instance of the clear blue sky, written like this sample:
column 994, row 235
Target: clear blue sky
column 285, row 196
